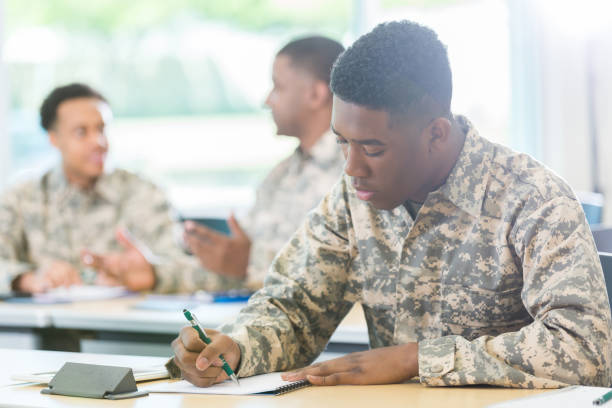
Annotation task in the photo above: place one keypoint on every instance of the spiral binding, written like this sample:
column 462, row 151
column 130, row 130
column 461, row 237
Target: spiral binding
column 291, row 387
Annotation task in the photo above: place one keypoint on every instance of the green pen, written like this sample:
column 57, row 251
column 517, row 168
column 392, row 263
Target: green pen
column 603, row 399
column 195, row 323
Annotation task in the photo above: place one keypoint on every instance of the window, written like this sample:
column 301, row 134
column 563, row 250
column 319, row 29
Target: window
column 186, row 81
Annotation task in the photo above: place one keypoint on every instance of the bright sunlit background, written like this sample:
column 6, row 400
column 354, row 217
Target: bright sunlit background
column 187, row 79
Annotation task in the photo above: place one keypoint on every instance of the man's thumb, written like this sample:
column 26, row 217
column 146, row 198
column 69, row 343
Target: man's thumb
column 235, row 228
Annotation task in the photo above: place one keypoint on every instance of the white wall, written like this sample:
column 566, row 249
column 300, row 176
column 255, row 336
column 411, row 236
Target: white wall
column 603, row 97
column 5, row 146
column 563, row 43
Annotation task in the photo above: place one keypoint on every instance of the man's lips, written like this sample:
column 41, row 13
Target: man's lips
column 97, row 158
column 364, row 195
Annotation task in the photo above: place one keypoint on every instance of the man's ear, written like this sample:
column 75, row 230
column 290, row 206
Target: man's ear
column 53, row 138
column 439, row 133
column 319, row 94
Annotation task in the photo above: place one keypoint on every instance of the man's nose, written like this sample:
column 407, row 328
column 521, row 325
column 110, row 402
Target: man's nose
column 355, row 165
column 101, row 140
column 268, row 101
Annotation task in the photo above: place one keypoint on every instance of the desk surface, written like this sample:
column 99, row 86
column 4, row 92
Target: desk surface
column 413, row 395
column 36, row 361
column 119, row 315
column 23, row 315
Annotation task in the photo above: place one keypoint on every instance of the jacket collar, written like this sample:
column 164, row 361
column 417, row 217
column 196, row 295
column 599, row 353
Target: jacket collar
column 60, row 189
column 466, row 184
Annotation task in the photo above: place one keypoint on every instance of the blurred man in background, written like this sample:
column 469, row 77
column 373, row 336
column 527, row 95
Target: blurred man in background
column 301, row 104
column 78, row 218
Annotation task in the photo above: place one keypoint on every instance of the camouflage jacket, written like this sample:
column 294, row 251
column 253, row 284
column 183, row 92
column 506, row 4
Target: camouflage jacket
column 497, row 279
column 48, row 219
column 295, row 186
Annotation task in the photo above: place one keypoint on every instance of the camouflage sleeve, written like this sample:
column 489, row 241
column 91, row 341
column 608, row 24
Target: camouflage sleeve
column 288, row 322
column 569, row 341
column 13, row 244
column 260, row 258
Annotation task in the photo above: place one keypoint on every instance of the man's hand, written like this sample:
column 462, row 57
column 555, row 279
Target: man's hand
column 199, row 362
column 57, row 273
column 228, row 256
column 128, row 268
column 386, row 365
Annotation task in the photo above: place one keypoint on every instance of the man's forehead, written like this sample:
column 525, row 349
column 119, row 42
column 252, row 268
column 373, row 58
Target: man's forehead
column 287, row 66
column 282, row 63
column 75, row 108
column 348, row 112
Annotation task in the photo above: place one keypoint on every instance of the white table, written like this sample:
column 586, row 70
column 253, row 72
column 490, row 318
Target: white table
column 34, row 361
column 413, row 394
column 115, row 326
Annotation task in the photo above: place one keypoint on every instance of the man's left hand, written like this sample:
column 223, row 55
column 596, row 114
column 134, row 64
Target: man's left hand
column 386, row 365
column 222, row 254
column 128, row 268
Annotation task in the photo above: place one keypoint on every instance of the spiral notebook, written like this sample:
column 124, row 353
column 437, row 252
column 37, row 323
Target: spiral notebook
column 259, row 384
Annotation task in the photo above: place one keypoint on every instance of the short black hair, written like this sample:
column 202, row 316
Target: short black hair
column 48, row 109
column 392, row 67
column 316, row 54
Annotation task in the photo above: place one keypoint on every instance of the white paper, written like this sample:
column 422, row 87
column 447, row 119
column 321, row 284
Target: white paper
column 249, row 385
column 570, row 397
column 79, row 293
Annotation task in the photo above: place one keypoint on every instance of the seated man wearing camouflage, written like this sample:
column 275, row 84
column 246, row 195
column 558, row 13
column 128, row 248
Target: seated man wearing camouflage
column 474, row 263
column 79, row 217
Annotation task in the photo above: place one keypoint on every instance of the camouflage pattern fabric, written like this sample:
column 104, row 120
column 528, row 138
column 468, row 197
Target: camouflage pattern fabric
column 294, row 187
column 497, row 279
column 47, row 219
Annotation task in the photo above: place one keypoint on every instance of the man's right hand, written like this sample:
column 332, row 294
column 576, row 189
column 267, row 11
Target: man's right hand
column 199, row 362
column 57, row 273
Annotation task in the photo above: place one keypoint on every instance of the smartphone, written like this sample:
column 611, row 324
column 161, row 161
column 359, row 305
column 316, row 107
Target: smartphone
column 217, row 224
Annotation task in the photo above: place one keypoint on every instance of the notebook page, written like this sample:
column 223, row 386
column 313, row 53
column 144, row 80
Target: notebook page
column 249, row 385
column 79, row 293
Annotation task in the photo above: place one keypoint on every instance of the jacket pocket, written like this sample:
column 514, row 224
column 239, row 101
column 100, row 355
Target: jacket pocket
column 475, row 311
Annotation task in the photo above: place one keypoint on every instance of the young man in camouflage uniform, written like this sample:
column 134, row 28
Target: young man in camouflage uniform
column 75, row 217
column 474, row 263
column 301, row 105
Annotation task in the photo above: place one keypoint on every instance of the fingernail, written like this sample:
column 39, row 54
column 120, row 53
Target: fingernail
column 202, row 363
column 87, row 259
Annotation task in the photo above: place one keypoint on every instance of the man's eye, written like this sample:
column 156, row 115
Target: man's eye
column 341, row 141
column 373, row 153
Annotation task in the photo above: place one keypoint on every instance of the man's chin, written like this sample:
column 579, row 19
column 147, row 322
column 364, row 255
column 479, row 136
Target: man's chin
column 386, row 206
column 381, row 206
column 94, row 172
column 281, row 132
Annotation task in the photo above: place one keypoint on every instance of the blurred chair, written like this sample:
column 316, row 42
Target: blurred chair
column 592, row 204
column 606, row 265
column 603, row 237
